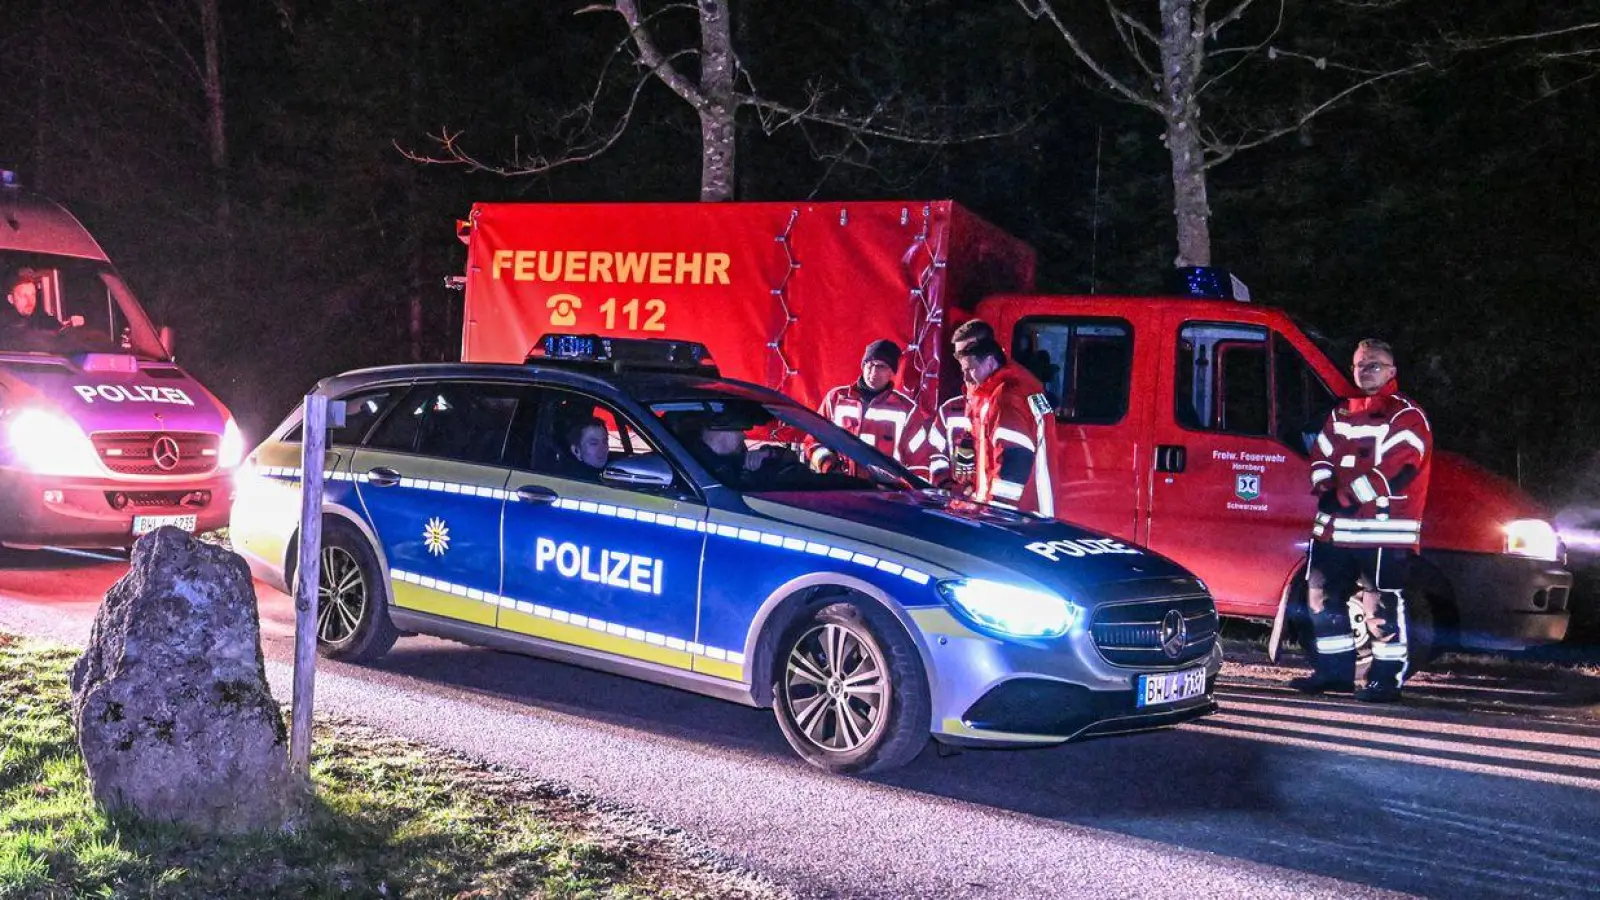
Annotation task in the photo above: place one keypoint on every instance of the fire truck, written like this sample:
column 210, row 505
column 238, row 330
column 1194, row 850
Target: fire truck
column 1182, row 424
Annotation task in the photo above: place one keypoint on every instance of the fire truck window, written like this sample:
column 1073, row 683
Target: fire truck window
column 1222, row 379
column 1084, row 364
column 1303, row 401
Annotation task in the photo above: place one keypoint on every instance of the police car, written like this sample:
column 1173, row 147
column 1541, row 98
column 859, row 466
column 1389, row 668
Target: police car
column 869, row 610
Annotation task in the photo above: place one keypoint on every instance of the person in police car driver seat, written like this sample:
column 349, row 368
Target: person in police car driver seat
column 1369, row 468
column 718, row 443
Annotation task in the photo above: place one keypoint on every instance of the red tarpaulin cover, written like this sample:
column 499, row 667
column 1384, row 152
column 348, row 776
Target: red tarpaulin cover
column 785, row 295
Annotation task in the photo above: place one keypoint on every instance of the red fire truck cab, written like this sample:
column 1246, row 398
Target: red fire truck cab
column 1182, row 424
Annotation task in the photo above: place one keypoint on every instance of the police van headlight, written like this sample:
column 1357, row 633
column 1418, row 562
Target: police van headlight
column 1010, row 609
column 230, row 450
column 49, row 443
column 1533, row 539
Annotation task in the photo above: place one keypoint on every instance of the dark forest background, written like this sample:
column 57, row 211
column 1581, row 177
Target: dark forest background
column 1455, row 211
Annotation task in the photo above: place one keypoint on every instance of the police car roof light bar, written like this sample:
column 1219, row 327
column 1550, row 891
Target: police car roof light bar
column 617, row 354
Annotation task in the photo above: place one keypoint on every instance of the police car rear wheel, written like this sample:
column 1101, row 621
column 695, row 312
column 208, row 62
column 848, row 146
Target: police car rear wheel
column 352, row 620
column 851, row 695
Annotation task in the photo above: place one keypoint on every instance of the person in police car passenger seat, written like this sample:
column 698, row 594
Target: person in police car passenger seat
column 1370, row 471
column 871, row 409
column 1011, row 437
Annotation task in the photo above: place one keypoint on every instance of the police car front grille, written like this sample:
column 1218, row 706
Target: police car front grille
column 133, row 452
column 1129, row 634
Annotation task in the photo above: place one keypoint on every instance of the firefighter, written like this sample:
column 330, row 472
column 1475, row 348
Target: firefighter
column 951, row 457
column 1370, row 471
column 1008, row 411
column 874, row 411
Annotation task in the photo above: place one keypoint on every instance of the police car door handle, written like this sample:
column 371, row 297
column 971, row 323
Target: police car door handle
column 1171, row 457
column 532, row 493
column 382, row 476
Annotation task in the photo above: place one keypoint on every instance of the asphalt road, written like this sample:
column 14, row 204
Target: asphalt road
column 1278, row 796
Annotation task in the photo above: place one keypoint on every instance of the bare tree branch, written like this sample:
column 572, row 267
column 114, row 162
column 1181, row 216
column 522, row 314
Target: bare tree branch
column 1045, row 10
column 1247, row 52
column 661, row 66
column 1218, row 154
column 1130, row 29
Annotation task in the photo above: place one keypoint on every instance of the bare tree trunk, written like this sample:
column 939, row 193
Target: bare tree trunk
column 1182, row 54
column 216, row 120
column 717, row 113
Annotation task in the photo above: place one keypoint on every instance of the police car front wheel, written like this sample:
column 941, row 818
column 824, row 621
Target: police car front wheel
column 850, row 694
column 352, row 619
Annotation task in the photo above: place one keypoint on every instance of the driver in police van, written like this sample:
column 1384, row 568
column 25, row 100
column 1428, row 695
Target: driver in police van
column 31, row 328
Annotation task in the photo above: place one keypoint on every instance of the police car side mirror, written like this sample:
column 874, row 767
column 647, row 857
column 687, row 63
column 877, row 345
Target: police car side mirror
column 648, row 470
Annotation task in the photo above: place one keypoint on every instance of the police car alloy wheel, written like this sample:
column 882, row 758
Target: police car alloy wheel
column 352, row 619
column 851, row 695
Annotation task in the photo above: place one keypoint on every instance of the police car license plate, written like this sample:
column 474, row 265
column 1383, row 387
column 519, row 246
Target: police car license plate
column 147, row 524
column 1156, row 690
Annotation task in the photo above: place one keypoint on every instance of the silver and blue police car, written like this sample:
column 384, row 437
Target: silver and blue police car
column 616, row 504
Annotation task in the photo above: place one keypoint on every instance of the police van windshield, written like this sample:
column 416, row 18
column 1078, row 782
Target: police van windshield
column 65, row 305
column 758, row 446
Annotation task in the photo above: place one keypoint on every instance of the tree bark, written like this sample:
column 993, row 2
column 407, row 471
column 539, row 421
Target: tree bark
column 720, row 106
column 1182, row 56
column 216, row 118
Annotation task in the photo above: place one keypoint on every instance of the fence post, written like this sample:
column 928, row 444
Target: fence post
column 313, row 446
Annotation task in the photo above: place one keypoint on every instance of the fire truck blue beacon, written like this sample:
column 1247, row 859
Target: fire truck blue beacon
column 868, row 609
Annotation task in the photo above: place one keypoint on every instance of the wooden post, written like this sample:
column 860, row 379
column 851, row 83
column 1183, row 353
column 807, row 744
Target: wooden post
column 313, row 444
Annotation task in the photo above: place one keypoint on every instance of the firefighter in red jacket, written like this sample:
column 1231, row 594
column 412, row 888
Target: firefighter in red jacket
column 952, row 460
column 1370, row 471
column 1008, row 411
column 874, row 411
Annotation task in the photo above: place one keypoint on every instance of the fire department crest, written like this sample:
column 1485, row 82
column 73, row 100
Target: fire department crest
column 1246, row 486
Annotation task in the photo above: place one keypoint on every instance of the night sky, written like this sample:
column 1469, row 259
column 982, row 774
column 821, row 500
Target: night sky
column 1453, row 211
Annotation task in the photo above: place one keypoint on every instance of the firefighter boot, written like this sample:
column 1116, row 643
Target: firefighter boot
column 1335, row 670
column 1383, row 681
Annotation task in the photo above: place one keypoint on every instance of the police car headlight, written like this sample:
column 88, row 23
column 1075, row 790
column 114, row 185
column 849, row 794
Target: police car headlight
column 1533, row 539
column 1010, row 609
column 49, row 443
column 230, row 451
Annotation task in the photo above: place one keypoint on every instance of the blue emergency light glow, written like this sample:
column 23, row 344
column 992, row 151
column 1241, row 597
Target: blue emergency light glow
column 654, row 354
column 1210, row 283
column 8, row 178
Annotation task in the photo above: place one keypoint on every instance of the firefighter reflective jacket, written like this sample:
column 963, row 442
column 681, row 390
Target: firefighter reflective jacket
column 950, row 453
column 1370, row 465
column 890, row 422
column 1008, row 414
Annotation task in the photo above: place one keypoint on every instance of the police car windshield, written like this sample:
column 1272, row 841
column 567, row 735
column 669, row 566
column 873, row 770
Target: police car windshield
column 758, row 446
column 64, row 305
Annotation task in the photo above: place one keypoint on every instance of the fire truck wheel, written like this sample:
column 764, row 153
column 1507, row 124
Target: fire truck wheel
column 850, row 693
column 352, row 617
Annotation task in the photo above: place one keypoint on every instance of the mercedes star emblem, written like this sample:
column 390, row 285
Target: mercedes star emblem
column 1174, row 634
column 164, row 453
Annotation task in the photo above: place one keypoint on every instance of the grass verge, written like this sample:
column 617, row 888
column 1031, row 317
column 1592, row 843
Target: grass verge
column 390, row 819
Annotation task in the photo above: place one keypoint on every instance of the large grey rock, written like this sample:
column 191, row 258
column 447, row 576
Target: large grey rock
column 170, row 700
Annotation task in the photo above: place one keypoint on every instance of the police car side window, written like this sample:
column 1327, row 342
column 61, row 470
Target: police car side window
column 361, row 410
column 462, row 421
column 1085, row 365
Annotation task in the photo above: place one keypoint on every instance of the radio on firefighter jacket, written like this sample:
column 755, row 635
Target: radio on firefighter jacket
column 1007, row 414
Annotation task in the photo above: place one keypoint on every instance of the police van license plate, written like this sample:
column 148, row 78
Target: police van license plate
column 1155, row 690
column 147, row 524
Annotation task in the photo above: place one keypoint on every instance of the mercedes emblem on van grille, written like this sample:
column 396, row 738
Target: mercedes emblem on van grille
column 1174, row 634
column 164, row 453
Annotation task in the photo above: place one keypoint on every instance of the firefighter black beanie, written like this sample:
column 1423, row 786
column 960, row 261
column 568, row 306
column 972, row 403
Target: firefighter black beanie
column 885, row 351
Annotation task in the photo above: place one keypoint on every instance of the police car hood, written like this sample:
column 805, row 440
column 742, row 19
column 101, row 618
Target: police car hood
column 974, row 540
column 113, row 392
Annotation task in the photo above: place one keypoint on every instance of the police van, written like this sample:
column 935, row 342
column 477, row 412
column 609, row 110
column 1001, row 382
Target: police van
column 103, row 437
column 617, row 504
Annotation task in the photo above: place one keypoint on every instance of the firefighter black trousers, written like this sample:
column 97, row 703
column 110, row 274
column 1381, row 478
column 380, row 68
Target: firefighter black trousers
column 1333, row 574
